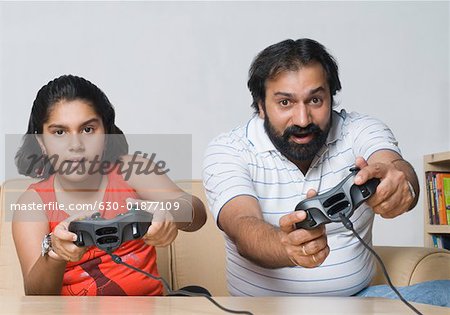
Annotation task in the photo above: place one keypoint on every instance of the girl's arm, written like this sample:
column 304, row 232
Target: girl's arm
column 191, row 214
column 41, row 275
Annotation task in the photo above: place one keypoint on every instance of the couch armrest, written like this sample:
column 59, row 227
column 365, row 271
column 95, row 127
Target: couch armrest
column 411, row 265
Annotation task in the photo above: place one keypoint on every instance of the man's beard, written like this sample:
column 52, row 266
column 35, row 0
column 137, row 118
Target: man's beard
column 294, row 151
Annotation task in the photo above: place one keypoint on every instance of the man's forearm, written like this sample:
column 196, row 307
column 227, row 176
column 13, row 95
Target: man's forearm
column 259, row 242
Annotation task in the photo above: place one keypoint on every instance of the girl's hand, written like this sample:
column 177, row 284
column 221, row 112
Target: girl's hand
column 63, row 247
column 163, row 230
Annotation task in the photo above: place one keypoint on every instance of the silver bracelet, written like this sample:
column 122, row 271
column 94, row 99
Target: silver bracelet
column 411, row 190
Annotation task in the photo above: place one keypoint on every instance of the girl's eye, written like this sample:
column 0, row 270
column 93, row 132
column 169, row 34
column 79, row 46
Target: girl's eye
column 88, row 130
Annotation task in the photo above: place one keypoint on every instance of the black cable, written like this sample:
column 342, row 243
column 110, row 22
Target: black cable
column 349, row 226
column 119, row 261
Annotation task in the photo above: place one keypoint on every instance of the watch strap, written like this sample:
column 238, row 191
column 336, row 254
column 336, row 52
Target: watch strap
column 46, row 245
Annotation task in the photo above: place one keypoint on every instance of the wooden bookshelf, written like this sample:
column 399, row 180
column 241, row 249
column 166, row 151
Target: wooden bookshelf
column 438, row 162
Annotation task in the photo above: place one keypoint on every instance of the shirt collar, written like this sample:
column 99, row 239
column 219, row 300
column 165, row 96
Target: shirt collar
column 337, row 123
column 258, row 137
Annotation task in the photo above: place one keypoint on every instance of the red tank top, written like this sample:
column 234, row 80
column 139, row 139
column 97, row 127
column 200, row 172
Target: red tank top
column 96, row 273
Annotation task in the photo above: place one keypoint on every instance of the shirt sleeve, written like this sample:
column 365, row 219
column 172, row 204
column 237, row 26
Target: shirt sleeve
column 371, row 135
column 225, row 173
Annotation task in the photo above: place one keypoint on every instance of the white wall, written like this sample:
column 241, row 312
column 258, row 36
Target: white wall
column 182, row 67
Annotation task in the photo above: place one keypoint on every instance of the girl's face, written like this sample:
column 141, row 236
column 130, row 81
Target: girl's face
column 74, row 137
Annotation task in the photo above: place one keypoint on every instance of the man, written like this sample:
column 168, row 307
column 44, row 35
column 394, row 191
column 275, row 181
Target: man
column 295, row 147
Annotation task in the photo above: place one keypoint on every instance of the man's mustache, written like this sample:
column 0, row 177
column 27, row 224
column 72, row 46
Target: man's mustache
column 298, row 131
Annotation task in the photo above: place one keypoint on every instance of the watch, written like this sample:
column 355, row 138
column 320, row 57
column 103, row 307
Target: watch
column 46, row 245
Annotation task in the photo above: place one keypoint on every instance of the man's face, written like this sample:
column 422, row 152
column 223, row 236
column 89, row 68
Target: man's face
column 297, row 114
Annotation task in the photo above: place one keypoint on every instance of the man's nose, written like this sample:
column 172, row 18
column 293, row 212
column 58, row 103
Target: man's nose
column 301, row 115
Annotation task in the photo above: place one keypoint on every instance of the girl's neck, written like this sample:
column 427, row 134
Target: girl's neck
column 86, row 193
column 92, row 184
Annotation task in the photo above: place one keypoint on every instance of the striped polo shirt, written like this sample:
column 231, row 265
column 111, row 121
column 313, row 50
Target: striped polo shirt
column 245, row 162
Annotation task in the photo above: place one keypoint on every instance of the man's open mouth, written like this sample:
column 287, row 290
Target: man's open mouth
column 302, row 138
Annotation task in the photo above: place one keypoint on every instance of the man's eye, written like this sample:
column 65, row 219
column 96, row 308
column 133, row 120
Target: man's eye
column 316, row 100
column 88, row 130
column 284, row 102
column 59, row 132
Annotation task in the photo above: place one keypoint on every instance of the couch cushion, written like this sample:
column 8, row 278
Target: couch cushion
column 433, row 266
column 410, row 265
column 198, row 258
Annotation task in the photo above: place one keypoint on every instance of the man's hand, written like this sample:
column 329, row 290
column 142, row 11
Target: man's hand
column 163, row 230
column 393, row 196
column 306, row 248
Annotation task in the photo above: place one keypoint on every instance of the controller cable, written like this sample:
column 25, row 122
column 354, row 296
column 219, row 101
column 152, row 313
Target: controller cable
column 349, row 226
column 119, row 261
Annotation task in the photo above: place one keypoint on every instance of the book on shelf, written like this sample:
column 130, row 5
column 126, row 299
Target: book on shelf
column 441, row 241
column 430, row 196
column 440, row 177
column 438, row 196
column 446, row 187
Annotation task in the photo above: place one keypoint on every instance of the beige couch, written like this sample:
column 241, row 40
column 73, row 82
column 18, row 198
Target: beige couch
column 199, row 257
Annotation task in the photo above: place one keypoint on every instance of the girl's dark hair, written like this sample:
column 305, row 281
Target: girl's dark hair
column 68, row 88
column 289, row 55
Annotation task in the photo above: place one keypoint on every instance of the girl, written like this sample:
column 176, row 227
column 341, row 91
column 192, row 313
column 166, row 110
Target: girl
column 73, row 144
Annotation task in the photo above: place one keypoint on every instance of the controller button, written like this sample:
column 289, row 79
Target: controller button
column 108, row 230
column 310, row 220
column 96, row 216
column 80, row 240
column 339, row 207
column 107, row 240
column 364, row 191
column 333, row 199
column 135, row 230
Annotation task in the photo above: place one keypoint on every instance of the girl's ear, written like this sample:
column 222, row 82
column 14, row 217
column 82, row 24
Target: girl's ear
column 41, row 143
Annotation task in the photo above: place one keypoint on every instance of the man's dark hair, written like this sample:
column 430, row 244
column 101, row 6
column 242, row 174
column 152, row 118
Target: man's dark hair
column 69, row 88
column 289, row 55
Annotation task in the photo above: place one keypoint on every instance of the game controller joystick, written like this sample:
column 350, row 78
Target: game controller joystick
column 341, row 200
column 109, row 234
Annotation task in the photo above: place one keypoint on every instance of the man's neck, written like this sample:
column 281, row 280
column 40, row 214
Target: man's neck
column 303, row 166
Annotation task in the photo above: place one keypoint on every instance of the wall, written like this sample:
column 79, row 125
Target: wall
column 182, row 67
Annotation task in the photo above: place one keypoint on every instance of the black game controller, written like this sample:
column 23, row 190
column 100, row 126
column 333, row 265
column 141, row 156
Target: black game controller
column 341, row 200
column 109, row 234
